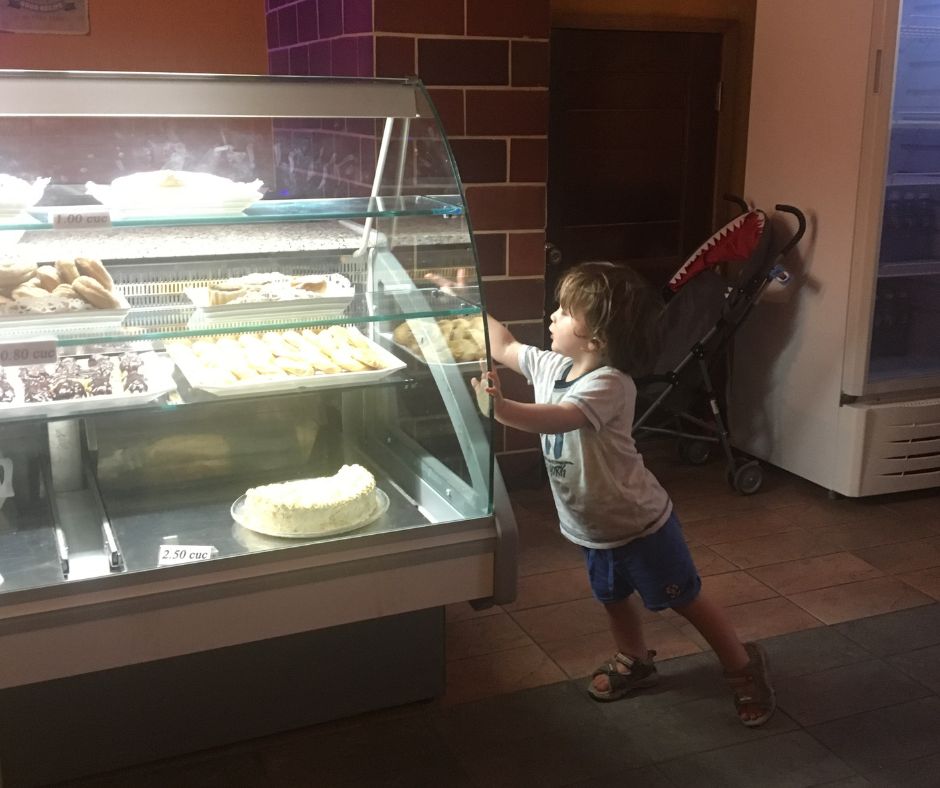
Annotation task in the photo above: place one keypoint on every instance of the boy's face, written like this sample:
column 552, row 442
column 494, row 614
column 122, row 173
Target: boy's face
column 569, row 334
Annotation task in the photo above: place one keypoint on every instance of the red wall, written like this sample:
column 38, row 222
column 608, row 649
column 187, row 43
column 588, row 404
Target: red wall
column 486, row 65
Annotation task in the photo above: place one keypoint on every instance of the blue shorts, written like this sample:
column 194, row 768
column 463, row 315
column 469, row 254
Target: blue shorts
column 658, row 566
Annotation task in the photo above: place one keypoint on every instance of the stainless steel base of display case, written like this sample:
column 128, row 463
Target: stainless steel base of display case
column 62, row 729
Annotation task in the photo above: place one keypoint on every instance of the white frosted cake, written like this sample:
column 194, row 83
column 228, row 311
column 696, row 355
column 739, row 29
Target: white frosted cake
column 306, row 507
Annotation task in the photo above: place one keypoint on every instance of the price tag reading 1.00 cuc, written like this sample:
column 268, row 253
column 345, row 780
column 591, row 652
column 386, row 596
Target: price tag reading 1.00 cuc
column 27, row 351
column 171, row 554
column 78, row 219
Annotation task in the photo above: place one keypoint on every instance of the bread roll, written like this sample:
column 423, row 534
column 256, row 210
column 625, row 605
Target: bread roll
column 88, row 266
column 92, row 291
column 48, row 277
column 68, row 271
column 13, row 273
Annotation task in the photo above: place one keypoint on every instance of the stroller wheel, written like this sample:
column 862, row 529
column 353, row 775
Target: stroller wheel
column 693, row 451
column 747, row 479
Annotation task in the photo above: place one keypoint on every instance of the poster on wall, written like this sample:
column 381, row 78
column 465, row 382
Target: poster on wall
column 66, row 17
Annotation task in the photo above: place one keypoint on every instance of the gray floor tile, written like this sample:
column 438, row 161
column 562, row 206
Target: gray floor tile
column 791, row 760
column 922, row 665
column 849, row 782
column 844, row 691
column 922, row 773
column 648, row 777
column 812, row 650
column 884, row 738
column 686, row 728
column 221, row 771
column 504, row 719
column 555, row 760
column 369, row 751
column 895, row 633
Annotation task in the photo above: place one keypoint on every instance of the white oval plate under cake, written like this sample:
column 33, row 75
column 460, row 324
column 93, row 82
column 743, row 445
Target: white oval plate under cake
column 379, row 508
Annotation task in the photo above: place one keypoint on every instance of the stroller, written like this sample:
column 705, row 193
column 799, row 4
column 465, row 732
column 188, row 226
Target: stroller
column 703, row 312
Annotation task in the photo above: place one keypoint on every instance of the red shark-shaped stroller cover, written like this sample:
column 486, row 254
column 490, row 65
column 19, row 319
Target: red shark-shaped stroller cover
column 735, row 242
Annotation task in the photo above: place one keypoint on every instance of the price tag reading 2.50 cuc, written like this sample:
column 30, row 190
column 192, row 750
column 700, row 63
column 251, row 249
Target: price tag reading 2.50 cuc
column 22, row 352
column 171, row 554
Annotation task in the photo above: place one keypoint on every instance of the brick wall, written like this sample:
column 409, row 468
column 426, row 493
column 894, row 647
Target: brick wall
column 486, row 66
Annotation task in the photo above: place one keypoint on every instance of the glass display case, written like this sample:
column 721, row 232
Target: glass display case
column 235, row 400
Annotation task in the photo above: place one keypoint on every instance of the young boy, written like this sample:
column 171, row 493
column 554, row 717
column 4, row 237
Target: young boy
column 603, row 333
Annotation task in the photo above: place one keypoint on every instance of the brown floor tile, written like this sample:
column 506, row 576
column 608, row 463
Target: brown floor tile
column 463, row 611
column 919, row 505
column 484, row 636
column 764, row 619
column 822, row 571
column 776, row 548
column 736, row 588
column 550, row 588
column 887, row 528
column 903, row 556
column 859, row 600
column 579, row 656
column 737, row 525
column 562, row 621
column 710, row 506
column 708, row 562
column 926, row 580
column 549, row 558
column 822, row 511
column 497, row 674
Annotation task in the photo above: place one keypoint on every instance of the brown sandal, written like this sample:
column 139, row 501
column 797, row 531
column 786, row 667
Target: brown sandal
column 751, row 686
column 641, row 673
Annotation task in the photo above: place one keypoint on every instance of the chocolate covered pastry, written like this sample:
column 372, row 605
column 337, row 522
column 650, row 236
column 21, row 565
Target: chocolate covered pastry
column 66, row 368
column 100, row 380
column 129, row 362
column 6, row 389
column 67, row 388
column 36, row 390
column 134, row 383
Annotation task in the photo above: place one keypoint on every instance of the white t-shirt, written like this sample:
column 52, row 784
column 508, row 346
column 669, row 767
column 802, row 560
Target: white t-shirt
column 604, row 494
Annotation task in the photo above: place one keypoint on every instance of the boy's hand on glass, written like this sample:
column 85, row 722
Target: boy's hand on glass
column 487, row 388
column 449, row 285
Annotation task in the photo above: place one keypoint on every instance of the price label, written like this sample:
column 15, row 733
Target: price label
column 171, row 554
column 80, row 219
column 22, row 352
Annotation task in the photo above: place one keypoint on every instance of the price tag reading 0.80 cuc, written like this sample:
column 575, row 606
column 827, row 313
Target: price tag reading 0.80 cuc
column 171, row 554
column 20, row 353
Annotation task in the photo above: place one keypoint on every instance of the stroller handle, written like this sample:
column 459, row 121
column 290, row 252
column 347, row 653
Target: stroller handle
column 801, row 220
column 737, row 200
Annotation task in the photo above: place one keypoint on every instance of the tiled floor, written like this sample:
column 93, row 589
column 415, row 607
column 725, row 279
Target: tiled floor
column 843, row 593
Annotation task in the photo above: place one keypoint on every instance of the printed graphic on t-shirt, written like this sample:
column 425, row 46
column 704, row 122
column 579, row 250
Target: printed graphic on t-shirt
column 554, row 445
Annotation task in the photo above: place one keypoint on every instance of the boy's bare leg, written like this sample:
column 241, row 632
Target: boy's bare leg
column 626, row 626
column 713, row 623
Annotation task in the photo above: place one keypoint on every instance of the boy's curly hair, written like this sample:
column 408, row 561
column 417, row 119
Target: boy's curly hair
column 621, row 311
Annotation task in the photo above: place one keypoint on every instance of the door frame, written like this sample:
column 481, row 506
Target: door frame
column 736, row 56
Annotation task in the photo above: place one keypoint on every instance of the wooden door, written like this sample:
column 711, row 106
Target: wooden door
column 632, row 148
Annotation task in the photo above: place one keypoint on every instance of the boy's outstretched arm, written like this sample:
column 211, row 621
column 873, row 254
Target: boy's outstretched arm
column 504, row 347
column 529, row 416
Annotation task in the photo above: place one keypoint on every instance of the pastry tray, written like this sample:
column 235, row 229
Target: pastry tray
column 313, row 307
column 157, row 369
column 193, row 375
column 280, row 540
column 77, row 318
column 464, row 366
